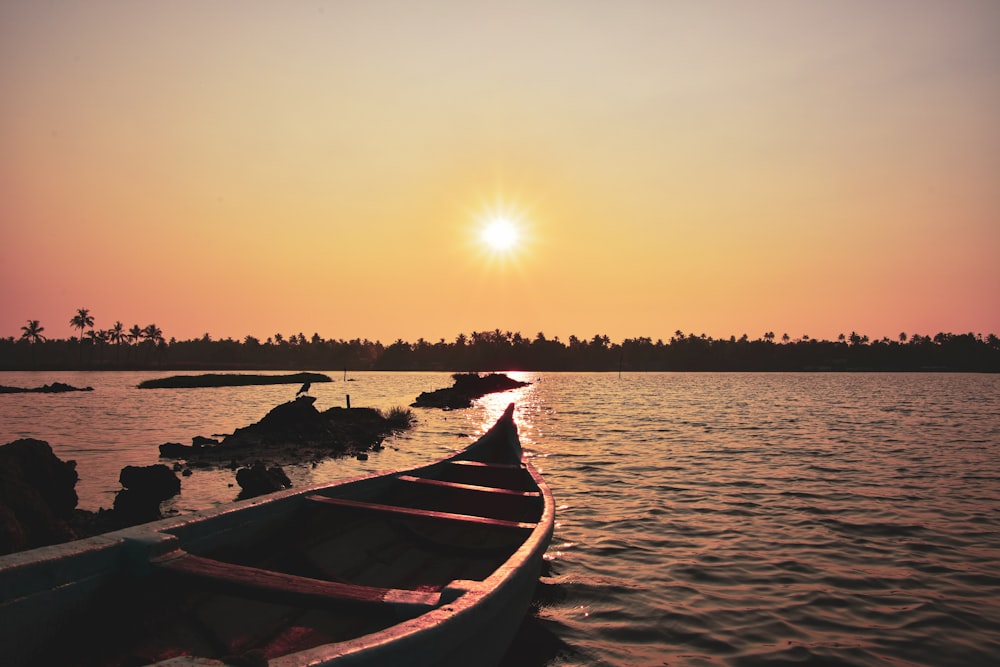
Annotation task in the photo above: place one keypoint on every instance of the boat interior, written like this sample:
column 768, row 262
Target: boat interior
column 346, row 561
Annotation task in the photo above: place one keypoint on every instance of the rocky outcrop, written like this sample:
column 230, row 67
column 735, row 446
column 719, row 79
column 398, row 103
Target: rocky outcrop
column 145, row 488
column 292, row 432
column 467, row 388
column 176, row 450
column 258, row 479
column 37, row 496
column 54, row 388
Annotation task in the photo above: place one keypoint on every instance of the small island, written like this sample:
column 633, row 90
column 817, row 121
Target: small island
column 54, row 388
column 230, row 380
column 294, row 432
column 467, row 388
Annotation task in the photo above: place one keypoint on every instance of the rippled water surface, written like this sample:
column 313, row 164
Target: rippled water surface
column 704, row 519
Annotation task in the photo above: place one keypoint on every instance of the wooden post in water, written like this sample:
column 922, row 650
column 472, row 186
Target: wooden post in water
column 348, row 401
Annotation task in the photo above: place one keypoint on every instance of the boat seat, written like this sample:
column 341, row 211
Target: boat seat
column 467, row 487
column 419, row 513
column 290, row 588
column 484, row 464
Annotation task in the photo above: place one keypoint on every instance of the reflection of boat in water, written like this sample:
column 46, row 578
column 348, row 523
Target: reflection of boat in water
column 431, row 566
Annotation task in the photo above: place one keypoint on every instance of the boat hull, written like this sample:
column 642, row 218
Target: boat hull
column 473, row 575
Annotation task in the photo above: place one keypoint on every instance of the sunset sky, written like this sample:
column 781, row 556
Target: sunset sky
column 721, row 167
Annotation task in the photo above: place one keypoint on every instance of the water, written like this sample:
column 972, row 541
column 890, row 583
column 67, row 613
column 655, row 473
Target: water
column 704, row 519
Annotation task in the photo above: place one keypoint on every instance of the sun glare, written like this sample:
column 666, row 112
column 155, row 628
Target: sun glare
column 500, row 234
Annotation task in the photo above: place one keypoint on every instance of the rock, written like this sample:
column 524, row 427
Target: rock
column 258, row 479
column 155, row 481
column 292, row 432
column 145, row 488
column 175, row 450
column 54, row 388
column 467, row 388
column 37, row 496
column 13, row 536
column 60, row 387
column 294, row 418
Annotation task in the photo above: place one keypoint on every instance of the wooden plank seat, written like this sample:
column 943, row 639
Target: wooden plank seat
column 484, row 464
column 289, row 588
column 503, row 475
column 419, row 513
column 467, row 487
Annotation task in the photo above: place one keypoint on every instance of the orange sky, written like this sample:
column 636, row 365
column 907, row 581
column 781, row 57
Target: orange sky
column 716, row 167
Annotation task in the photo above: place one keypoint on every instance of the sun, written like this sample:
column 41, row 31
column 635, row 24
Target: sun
column 500, row 233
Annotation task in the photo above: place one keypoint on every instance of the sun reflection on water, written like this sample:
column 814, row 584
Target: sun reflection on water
column 491, row 407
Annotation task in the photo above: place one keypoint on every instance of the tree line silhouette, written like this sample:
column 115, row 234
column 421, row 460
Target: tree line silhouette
column 142, row 348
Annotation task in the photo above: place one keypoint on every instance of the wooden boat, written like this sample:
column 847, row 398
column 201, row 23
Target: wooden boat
column 431, row 566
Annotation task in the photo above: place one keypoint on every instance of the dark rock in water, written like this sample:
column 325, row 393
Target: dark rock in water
column 175, row 450
column 362, row 456
column 156, row 481
column 145, row 488
column 293, row 432
column 258, row 479
column 37, row 496
column 298, row 418
column 54, row 388
column 467, row 388
column 59, row 387
column 298, row 425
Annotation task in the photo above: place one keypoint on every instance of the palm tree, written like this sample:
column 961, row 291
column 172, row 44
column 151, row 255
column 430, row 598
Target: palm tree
column 152, row 334
column 116, row 335
column 33, row 334
column 133, row 335
column 81, row 321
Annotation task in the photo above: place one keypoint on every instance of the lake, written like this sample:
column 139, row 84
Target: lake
column 703, row 519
